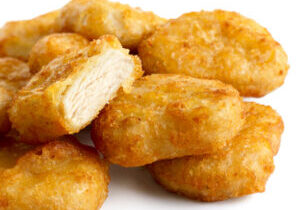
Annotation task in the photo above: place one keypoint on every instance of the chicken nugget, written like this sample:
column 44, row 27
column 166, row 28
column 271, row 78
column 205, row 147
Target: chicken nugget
column 62, row 174
column 93, row 18
column 18, row 37
column 241, row 169
column 68, row 93
column 217, row 45
column 167, row 116
column 52, row 46
column 14, row 74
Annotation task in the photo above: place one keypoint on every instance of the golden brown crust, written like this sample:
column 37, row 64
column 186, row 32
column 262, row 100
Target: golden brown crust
column 217, row 45
column 38, row 112
column 167, row 116
column 52, row 46
column 265, row 121
column 62, row 174
column 243, row 168
column 94, row 18
column 14, row 74
column 18, row 37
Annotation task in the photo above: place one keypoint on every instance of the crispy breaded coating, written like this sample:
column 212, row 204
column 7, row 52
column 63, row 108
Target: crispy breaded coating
column 217, row 45
column 167, row 116
column 62, row 174
column 52, row 46
column 266, row 121
column 243, row 168
column 94, row 18
column 18, row 37
column 14, row 74
column 68, row 93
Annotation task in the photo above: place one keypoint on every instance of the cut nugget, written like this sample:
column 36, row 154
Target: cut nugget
column 68, row 93
column 62, row 174
column 94, row 18
column 18, row 37
column 167, row 116
column 243, row 168
column 14, row 74
column 52, row 46
column 217, row 45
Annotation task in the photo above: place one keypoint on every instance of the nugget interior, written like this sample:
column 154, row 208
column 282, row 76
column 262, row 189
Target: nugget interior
column 95, row 86
column 68, row 93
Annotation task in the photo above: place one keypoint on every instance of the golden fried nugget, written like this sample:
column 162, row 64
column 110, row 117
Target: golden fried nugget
column 243, row 168
column 14, row 74
column 18, row 37
column 217, row 45
column 93, row 18
column 68, row 93
column 167, row 116
column 62, row 174
column 52, row 46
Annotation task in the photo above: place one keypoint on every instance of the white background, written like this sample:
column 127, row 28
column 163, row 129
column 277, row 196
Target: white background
column 133, row 188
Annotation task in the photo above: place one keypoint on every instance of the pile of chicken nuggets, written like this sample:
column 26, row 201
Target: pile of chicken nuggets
column 164, row 94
